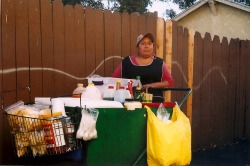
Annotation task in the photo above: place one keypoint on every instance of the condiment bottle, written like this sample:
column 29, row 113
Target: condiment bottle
column 118, row 84
column 78, row 91
column 139, row 84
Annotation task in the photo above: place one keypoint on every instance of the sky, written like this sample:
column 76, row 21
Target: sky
column 160, row 7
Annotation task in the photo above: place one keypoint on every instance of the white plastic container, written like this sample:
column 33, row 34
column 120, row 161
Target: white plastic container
column 92, row 92
column 121, row 94
column 109, row 93
column 78, row 91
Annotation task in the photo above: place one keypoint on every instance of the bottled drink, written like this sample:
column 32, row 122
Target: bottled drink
column 78, row 91
column 139, row 84
column 138, row 94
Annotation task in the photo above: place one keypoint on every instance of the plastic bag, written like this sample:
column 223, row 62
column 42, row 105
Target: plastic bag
column 163, row 114
column 87, row 127
column 168, row 144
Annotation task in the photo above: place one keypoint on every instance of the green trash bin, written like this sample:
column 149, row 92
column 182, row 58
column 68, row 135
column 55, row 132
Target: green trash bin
column 121, row 137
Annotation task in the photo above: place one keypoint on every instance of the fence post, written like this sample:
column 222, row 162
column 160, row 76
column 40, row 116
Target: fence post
column 190, row 71
column 169, row 51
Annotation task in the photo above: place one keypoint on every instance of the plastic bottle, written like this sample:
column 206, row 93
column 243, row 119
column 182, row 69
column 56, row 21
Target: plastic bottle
column 139, row 84
column 92, row 92
column 121, row 95
column 118, row 84
column 137, row 94
column 78, row 91
column 109, row 93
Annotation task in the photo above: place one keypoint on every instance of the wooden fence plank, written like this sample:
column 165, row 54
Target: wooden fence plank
column 232, row 88
column 90, row 37
column 197, row 136
column 69, row 50
column 58, row 43
column 126, row 35
column 22, row 50
column 142, row 25
column 109, row 42
column 1, row 89
column 9, row 71
column 247, row 90
column 224, row 58
column 168, row 37
column 47, row 48
column 217, row 83
column 100, row 47
column 134, row 28
column 117, row 39
column 35, row 48
column 190, row 72
column 206, row 89
column 241, row 95
column 80, row 56
column 159, row 42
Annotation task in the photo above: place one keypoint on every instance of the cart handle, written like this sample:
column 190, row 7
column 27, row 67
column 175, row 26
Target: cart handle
column 189, row 90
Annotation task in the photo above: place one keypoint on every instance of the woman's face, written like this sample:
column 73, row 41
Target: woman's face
column 145, row 48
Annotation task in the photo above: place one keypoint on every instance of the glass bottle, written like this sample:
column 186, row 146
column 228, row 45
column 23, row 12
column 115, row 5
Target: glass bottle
column 139, row 84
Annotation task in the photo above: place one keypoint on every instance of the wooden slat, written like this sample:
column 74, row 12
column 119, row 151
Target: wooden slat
column 143, row 24
column 241, row 106
column 217, row 83
column 22, row 50
column 69, row 50
column 190, row 72
column 58, row 43
column 134, row 31
column 126, row 35
column 109, row 42
column 206, row 89
column 35, row 48
column 247, row 91
column 1, row 99
column 90, row 37
column 80, row 56
column 197, row 137
column 47, row 48
column 100, row 45
column 9, row 73
column 232, row 88
column 117, row 39
column 168, row 57
column 224, row 136
column 160, row 38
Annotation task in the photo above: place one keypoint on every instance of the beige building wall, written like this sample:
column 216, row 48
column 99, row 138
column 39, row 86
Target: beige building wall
column 229, row 22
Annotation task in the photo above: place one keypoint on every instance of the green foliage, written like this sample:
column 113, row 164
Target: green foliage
column 170, row 13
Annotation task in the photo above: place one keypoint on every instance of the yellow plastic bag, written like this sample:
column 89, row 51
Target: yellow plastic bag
column 168, row 144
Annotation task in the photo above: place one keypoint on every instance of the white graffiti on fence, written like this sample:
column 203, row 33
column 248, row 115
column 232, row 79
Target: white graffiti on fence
column 213, row 69
column 12, row 70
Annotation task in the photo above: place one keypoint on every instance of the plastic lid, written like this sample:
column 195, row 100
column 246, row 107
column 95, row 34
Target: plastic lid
column 138, row 88
column 118, row 80
column 91, row 84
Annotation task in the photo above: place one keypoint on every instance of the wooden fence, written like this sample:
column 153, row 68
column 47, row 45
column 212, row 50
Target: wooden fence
column 50, row 48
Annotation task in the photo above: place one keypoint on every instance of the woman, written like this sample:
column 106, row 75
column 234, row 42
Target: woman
column 152, row 70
